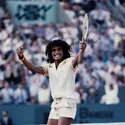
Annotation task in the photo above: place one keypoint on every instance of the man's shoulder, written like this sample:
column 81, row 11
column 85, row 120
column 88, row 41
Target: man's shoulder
column 50, row 65
column 70, row 58
column 46, row 64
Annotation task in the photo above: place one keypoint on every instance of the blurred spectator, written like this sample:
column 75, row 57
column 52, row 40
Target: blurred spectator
column 33, row 100
column 77, row 94
column 20, row 95
column 111, row 94
column 119, row 58
column 93, row 83
column 6, row 119
column 34, row 84
column 44, row 94
column 12, row 68
column 7, row 94
column 1, row 86
column 49, row 31
column 121, row 46
column 92, row 96
column 83, row 95
column 98, row 63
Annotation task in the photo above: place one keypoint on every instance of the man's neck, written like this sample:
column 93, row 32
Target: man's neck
column 57, row 63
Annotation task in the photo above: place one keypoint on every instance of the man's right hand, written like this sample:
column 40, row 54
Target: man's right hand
column 20, row 51
column 30, row 66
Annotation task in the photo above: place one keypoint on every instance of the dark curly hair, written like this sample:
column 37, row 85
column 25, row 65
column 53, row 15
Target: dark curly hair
column 65, row 48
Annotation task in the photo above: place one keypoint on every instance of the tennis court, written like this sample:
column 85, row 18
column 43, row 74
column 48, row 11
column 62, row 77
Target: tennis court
column 119, row 123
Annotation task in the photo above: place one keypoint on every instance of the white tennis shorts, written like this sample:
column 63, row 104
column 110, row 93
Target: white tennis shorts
column 63, row 107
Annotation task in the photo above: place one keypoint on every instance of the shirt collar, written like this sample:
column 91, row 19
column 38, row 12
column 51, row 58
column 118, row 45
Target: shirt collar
column 53, row 64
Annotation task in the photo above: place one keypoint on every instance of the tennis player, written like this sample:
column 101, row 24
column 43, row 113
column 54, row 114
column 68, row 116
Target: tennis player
column 61, row 69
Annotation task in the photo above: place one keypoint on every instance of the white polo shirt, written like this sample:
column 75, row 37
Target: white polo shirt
column 62, row 79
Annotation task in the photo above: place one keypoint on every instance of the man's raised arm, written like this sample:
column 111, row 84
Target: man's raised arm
column 78, row 58
column 28, row 64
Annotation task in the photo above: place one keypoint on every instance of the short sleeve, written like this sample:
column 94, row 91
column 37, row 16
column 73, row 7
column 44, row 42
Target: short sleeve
column 69, row 61
column 45, row 66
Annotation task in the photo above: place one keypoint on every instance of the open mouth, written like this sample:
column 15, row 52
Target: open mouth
column 57, row 56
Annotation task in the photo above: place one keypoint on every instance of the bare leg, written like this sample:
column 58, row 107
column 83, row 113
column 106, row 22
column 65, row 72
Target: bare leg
column 52, row 122
column 64, row 121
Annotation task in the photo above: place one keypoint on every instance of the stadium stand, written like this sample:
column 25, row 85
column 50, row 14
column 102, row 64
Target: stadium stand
column 104, row 59
column 100, row 79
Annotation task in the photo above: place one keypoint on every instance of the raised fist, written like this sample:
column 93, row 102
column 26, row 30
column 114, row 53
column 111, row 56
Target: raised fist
column 20, row 51
column 82, row 45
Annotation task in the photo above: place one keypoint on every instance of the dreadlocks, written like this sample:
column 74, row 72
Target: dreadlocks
column 65, row 48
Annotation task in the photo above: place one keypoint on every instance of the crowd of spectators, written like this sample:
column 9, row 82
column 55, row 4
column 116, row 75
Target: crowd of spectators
column 103, row 62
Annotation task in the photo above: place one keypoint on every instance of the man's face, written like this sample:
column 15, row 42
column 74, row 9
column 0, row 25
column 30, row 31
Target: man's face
column 6, row 85
column 57, row 53
column 4, row 113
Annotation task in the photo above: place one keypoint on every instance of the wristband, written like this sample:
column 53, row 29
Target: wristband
column 22, row 59
column 82, row 49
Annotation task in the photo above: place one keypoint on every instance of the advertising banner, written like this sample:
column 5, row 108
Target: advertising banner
column 93, row 113
column 32, row 11
column 100, row 113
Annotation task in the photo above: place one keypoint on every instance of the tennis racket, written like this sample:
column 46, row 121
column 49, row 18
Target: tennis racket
column 85, row 27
